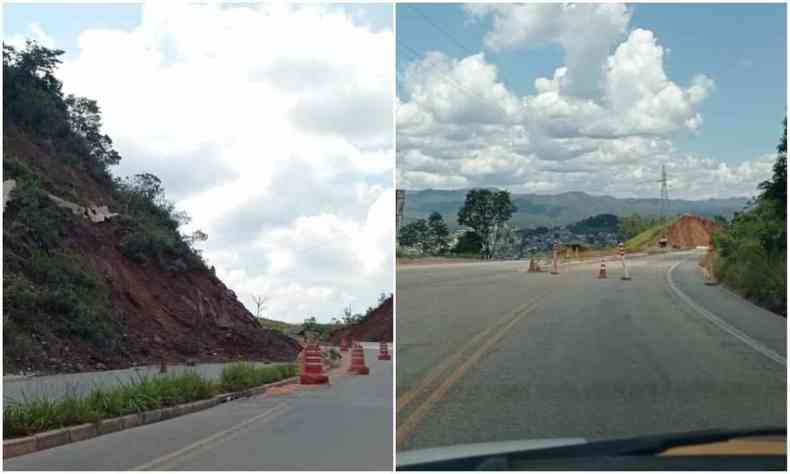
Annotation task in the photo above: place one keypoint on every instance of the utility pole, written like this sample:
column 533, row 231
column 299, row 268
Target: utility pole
column 400, row 200
column 663, row 205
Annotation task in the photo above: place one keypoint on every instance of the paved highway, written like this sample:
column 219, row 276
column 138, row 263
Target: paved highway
column 488, row 352
column 347, row 425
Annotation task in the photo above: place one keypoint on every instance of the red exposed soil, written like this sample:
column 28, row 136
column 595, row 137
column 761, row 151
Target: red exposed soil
column 182, row 316
column 377, row 327
column 691, row 231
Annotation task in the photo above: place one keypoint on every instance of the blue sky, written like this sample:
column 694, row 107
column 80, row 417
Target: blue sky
column 64, row 22
column 742, row 47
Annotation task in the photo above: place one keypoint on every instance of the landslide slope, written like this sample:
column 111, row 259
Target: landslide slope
column 83, row 295
column 376, row 326
column 684, row 232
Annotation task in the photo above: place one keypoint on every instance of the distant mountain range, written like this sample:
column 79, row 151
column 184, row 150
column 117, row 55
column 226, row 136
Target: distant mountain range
column 562, row 209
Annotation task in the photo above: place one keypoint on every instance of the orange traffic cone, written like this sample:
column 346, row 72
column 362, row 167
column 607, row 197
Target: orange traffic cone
column 358, row 366
column 602, row 271
column 313, row 367
column 534, row 266
column 384, row 352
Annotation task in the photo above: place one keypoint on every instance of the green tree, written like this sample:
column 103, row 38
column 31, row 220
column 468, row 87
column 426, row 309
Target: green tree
column 311, row 328
column 437, row 234
column 85, row 120
column 32, row 97
column 414, row 234
column 468, row 243
column 775, row 189
column 751, row 250
column 635, row 224
column 486, row 211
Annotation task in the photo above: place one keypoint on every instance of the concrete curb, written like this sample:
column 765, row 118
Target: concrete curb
column 50, row 439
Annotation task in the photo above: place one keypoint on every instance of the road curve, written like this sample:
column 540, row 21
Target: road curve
column 488, row 352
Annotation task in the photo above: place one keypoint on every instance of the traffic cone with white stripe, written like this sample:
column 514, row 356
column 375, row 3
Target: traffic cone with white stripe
column 621, row 252
column 602, row 272
column 384, row 352
column 358, row 366
column 313, row 367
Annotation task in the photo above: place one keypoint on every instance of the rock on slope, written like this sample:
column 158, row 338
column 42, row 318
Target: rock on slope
column 377, row 326
column 149, row 312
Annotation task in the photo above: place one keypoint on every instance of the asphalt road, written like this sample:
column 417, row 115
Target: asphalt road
column 347, row 425
column 487, row 352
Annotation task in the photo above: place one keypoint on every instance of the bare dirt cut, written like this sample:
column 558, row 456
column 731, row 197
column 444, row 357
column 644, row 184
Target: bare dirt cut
column 684, row 232
column 688, row 232
column 376, row 327
column 151, row 313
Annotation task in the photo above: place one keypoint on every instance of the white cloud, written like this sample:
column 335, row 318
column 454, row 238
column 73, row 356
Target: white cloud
column 586, row 32
column 603, row 123
column 271, row 125
column 34, row 32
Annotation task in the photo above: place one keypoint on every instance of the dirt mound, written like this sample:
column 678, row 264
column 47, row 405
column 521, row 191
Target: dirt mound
column 154, row 313
column 376, row 326
column 691, row 231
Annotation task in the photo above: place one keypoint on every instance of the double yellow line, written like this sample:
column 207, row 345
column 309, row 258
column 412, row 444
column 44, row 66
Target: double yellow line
column 457, row 364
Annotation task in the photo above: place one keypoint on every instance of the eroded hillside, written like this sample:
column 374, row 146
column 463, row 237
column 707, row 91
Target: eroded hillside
column 83, row 292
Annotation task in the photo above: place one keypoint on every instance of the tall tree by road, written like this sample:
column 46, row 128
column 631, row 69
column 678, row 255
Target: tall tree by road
column 751, row 250
column 414, row 234
column 486, row 211
column 437, row 233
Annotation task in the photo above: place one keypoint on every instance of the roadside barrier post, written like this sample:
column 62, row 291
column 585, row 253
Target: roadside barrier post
column 358, row 366
column 555, row 256
column 710, row 279
column 313, row 368
column 384, row 352
column 602, row 272
column 621, row 251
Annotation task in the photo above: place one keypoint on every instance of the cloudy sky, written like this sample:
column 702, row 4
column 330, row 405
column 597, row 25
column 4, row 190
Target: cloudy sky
column 548, row 98
column 270, row 125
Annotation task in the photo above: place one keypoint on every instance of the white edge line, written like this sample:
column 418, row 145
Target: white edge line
column 724, row 326
column 169, row 457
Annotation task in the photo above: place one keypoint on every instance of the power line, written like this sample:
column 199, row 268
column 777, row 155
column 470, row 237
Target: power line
column 440, row 29
column 449, row 36
column 452, row 81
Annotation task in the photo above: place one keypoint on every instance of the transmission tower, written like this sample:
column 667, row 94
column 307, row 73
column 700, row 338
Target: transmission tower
column 663, row 205
column 663, row 201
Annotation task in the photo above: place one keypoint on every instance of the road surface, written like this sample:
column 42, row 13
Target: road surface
column 347, row 425
column 488, row 352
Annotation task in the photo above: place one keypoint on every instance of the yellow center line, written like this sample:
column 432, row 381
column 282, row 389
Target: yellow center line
column 408, row 425
column 408, row 396
column 211, row 441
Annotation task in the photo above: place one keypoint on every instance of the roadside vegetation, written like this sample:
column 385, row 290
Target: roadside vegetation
column 53, row 144
column 751, row 249
column 28, row 417
column 484, row 211
column 646, row 239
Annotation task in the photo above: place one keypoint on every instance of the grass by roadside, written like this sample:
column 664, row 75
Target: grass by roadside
column 240, row 376
column 29, row 417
